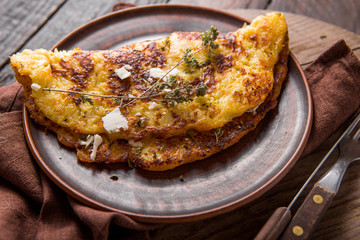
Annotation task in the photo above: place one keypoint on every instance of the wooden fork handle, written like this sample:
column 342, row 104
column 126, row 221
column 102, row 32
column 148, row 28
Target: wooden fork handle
column 309, row 214
column 275, row 225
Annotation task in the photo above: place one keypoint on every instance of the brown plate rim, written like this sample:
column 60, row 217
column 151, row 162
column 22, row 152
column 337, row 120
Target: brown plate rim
column 180, row 217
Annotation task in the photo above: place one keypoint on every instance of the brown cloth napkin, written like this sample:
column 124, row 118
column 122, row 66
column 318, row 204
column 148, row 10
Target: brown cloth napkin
column 334, row 80
column 32, row 207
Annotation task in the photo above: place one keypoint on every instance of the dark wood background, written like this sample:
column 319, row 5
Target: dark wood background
column 50, row 20
column 42, row 23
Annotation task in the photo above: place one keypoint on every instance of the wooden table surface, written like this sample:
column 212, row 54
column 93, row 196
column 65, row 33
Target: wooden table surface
column 40, row 24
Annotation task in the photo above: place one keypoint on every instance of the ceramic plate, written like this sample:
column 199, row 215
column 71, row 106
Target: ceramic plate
column 212, row 186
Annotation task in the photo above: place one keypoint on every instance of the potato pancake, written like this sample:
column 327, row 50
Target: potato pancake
column 158, row 104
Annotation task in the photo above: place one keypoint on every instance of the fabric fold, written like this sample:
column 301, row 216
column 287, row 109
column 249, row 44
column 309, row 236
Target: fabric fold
column 334, row 80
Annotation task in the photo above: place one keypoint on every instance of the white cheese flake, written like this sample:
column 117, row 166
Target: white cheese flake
column 89, row 140
column 255, row 108
column 156, row 73
column 122, row 73
column 138, row 114
column 97, row 141
column 36, row 87
column 135, row 144
column 114, row 120
column 173, row 72
column 152, row 105
column 127, row 67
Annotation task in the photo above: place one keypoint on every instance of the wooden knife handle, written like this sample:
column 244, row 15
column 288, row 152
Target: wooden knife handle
column 275, row 225
column 309, row 213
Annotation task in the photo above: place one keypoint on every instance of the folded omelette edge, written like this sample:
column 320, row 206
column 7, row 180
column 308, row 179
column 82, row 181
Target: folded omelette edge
column 242, row 79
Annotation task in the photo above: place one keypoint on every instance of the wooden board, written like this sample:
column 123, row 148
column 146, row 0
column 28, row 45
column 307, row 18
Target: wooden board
column 339, row 13
column 18, row 26
column 342, row 220
column 308, row 37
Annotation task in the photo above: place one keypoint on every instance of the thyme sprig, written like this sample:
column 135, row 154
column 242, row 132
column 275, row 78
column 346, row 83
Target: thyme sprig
column 218, row 133
column 178, row 95
column 208, row 38
column 84, row 94
column 165, row 86
column 85, row 99
column 192, row 62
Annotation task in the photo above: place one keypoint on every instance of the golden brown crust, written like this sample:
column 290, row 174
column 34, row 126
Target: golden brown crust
column 238, row 77
column 193, row 145
column 159, row 151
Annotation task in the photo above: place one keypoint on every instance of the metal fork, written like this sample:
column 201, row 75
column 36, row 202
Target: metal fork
column 321, row 195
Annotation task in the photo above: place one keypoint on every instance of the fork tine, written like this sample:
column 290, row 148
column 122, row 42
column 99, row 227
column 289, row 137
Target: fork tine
column 353, row 124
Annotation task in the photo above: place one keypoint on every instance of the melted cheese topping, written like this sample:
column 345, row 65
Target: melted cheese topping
column 239, row 78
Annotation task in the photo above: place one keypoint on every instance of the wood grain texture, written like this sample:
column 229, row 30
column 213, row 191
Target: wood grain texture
column 275, row 225
column 17, row 25
column 72, row 15
column 345, row 15
column 342, row 219
column 307, row 35
column 225, row 4
column 309, row 214
column 75, row 13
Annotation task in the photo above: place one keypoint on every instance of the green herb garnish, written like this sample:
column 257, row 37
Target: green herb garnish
column 142, row 121
column 114, row 177
column 218, row 133
column 179, row 94
column 190, row 59
column 161, row 147
column 174, row 93
column 85, row 99
column 138, row 150
column 201, row 89
column 208, row 38
column 130, row 164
